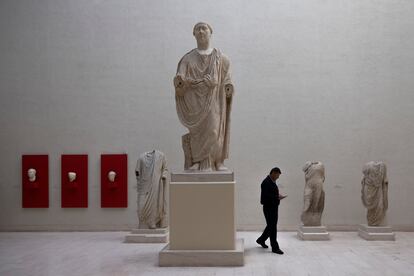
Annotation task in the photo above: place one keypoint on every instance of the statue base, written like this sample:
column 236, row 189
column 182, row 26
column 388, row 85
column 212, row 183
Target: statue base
column 159, row 235
column 313, row 233
column 168, row 257
column 202, row 221
column 376, row 233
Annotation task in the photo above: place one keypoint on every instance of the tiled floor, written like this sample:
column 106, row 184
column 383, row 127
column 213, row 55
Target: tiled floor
column 104, row 253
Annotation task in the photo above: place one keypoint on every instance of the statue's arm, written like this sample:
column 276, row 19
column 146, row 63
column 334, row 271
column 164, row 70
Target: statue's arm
column 181, row 83
column 164, row 174
column 180, row 86
column 385, row 193
column 137, row 169
column 307, row 199
column 227, row 81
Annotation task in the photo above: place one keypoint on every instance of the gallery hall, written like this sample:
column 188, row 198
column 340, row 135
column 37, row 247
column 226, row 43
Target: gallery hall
column 206, row 137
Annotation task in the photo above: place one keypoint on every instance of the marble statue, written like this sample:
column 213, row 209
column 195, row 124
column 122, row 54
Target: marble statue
column 111, row 176
column 203, row 94
column 72, row 176
column 374, row 192
column 313, row 196
column 31, row 173
column 152, row 178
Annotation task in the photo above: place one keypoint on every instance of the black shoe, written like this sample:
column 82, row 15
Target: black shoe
column 277, row 251
column 262, row 244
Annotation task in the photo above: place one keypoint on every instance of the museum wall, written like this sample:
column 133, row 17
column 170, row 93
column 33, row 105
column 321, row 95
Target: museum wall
column 321, row 80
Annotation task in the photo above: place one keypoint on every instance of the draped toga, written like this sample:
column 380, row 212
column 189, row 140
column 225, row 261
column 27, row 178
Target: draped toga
column 204, row 109
column 313, row 196
column 374, row 192
column 152, row 168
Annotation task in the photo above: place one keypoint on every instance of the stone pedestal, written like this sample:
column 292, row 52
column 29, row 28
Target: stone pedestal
column 159, row 235
column 313, row 233
column 202, row 221
column 168, row 257
column 376, row 233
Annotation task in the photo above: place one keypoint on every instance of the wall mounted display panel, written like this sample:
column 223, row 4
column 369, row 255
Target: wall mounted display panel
column 114, row 181
column 74, row 179
column 35, row 181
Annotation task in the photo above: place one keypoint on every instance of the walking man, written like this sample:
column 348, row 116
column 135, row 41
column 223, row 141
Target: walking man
column 270, row 199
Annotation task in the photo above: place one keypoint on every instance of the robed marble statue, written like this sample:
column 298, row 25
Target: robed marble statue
column 313, row 195
column 203, row 94
column 374, row 192
column 152, row 178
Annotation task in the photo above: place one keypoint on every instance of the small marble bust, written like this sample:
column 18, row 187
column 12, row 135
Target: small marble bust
column 31, row 173
column 111, row 176
column 72, row 176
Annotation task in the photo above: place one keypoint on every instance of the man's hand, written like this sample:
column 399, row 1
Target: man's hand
column 282, row 196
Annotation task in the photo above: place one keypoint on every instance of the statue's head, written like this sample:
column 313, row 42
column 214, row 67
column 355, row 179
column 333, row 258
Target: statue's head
column 71, row 176
column 202, row 32
column 31, row 173
column 111, row 176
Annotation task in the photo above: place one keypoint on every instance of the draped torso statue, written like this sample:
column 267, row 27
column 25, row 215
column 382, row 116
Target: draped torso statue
column 313, row 195
column 152, row 178
column 374, row 193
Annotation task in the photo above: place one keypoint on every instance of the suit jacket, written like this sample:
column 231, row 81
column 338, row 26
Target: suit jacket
column 270, row 192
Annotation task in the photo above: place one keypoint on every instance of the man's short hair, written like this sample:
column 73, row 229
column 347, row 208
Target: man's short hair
column 275, row 170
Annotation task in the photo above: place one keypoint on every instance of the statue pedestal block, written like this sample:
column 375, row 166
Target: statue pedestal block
column 168, row 257
column 159, row 235
column 376, row 233
column 313, row 233
column 202, row 221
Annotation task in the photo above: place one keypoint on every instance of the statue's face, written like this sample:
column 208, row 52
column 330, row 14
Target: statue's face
column 202, row 33
column 111, row 176
column 72, row 176
column 31, row 173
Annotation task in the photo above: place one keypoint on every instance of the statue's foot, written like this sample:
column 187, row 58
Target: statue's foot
column 221, row 167
column 194, row 167
column 152, row 226
column 207, row 170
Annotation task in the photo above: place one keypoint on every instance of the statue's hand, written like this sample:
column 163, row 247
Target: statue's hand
column 211, row 82
column 229, row 90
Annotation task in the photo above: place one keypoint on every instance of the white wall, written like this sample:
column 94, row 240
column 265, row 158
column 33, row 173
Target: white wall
column 315, row 80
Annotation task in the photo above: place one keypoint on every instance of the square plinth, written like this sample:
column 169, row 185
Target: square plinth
column 159, row 235
column 313, row 233
column 168, row 257
column 202, row 212
column 376, row 233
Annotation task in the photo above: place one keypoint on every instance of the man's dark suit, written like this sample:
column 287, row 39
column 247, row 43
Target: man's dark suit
column 269, row 198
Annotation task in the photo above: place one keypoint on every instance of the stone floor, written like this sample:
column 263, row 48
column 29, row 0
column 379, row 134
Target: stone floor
column 104, row 253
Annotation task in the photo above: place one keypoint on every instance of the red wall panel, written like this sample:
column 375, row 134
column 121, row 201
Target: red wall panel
column 74, row 194
column 114, row 194
column 35, row 194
